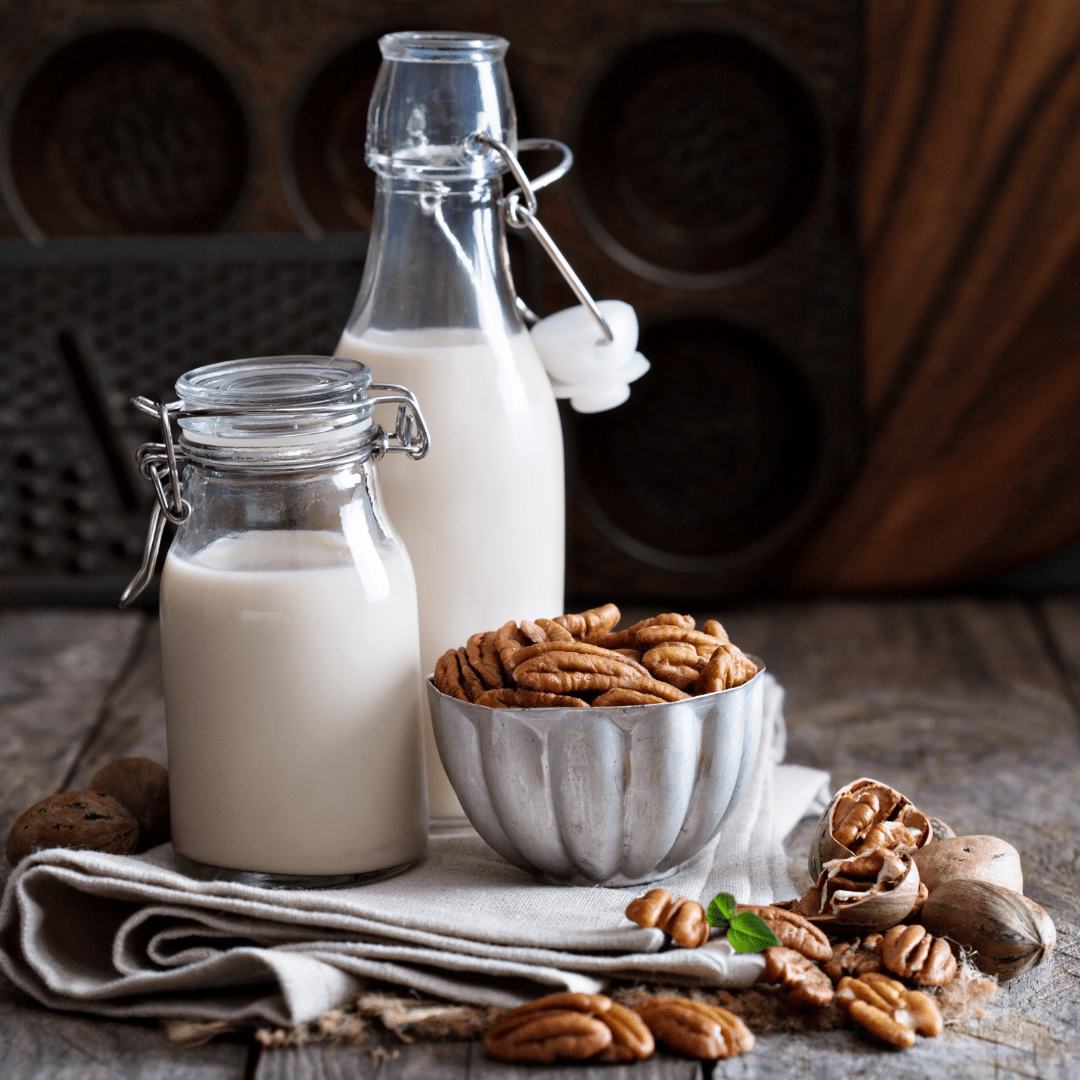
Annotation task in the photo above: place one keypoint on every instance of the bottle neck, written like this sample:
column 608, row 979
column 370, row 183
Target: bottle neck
column 435, row 260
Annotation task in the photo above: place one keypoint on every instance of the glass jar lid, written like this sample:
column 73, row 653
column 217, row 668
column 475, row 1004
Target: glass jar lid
column 275, row 408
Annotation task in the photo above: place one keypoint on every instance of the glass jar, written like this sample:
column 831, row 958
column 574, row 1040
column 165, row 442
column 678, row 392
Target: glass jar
column 289, row 632
column 436, row 311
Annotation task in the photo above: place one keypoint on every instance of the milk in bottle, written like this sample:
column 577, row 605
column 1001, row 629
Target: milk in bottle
column 483, row 515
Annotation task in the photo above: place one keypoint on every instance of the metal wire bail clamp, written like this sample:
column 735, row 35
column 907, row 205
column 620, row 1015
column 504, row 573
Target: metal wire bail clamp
column 160, row 462
column 519, row 212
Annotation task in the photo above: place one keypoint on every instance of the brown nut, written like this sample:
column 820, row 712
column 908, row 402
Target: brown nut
column 1009, row 933
column 631, row 1039
column 141, row 786
column 682, row 919
column 83, row 820
column 557, row 1026
column 985, row 858
column 484, row 658
column 566, row 670
column 793, row 930
column 855, row 810
column 706, row 1032
column 806, row 984
column 872, row 892
column 856, row 957
column 887, row 1009
column 448, row 676
column 728, row 667
column 590, row 624
column 509, row 640
column 912, row 953
column 622, row 695
column 528, row 699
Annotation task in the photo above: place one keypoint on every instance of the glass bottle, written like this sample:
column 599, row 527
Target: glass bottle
column 483, row 515
column 289, row 633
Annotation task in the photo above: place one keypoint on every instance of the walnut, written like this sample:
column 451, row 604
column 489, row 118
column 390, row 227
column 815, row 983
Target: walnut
column 806, row 984
column 140, row 786
column 912, row 953
column 887, row 1009
column 83, row 820
column 682, row 919
column 706, row 1032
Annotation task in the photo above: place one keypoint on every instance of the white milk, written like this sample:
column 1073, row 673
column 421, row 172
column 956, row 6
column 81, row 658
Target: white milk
column 293, row 706
column 482, row 516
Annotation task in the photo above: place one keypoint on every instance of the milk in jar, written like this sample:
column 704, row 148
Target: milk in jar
column 483, row 515
column 289, row 626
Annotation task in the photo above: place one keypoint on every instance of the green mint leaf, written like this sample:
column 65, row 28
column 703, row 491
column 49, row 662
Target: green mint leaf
column 721, row 910
column 750, row 933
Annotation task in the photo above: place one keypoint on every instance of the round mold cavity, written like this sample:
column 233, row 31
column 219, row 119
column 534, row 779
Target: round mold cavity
column 716, row 450
column 329, row 184
column 698, row 154
column 126, row 130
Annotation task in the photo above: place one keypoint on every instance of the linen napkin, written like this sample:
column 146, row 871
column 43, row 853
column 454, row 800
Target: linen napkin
column 132, row 936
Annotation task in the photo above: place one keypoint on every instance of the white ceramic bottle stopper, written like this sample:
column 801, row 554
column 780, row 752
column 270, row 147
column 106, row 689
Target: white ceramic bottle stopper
column 593, row 373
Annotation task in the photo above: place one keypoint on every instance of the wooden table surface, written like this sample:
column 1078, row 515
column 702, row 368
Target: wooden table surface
column 970, row 706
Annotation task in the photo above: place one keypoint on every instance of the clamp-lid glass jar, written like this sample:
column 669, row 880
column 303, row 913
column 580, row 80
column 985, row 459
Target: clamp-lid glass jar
column 289, row 632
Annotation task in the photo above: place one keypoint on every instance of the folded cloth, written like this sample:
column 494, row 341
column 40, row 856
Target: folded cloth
column 132, row 936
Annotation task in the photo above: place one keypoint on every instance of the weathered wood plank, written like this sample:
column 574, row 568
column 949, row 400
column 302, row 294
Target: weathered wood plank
column 133, row 724
column 1062, row 616
column 36, row 1044
column 449, row 1061
column 56, row 669
column 958, row 704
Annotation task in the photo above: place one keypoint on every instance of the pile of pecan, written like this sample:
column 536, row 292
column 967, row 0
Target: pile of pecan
column 811, row 971
column 580, row 660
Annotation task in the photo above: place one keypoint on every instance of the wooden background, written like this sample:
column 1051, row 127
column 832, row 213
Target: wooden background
column 970, row 217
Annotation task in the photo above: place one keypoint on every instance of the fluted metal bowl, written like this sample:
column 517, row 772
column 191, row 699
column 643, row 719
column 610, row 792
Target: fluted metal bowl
column 609, row 796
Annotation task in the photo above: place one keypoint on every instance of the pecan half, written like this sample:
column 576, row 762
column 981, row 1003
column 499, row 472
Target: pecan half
column 793, row 930
column 484, row 658
column 621, row 695
column 448, row 676
column 570, row 670
column 592, row 623
column 714, row 629
column 631, row 1039
column 806, row 984
column 677, row 663
column 727, row 667
column 682, row 919
column 506, row 698
column 887, row 1009
column 566, row 1026
column 509, row 640
column 706, row 1032
column 855, row 957
column 912, row 953
column 469, row 679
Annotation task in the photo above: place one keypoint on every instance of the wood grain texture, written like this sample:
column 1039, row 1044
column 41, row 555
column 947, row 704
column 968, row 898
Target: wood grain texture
column 57, row 669
column 36, row 1044
column 959, row 704
column 971, row 231
column 1062, row 617
column 133, row 721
